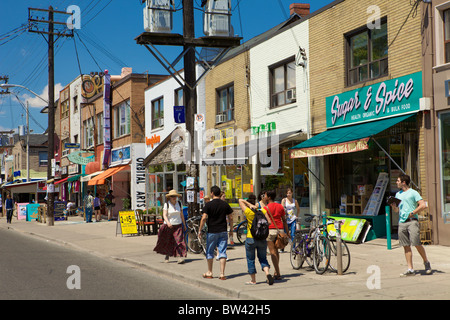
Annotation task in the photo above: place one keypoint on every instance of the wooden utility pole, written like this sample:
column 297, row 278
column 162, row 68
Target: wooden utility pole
column 51, row 98
column 189, row 43
column 190, row 97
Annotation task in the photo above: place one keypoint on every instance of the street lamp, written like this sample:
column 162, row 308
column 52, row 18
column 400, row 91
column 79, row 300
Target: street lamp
column 50, row 187
column 9, row 85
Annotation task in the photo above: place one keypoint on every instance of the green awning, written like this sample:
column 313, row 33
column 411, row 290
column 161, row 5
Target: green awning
column 344, row 139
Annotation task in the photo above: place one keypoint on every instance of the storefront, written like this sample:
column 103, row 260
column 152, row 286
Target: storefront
column 165, row 170
column 441, row 152
column 261, row 163
column 372, row 137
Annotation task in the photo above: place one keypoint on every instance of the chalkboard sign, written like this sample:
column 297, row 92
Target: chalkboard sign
column 59, row 208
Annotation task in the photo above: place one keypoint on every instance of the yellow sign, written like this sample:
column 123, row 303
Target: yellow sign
column 224, row 137
column 127, row 221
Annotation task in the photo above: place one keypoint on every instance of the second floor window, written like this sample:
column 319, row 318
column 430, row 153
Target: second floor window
column 100, row 122
column 282, row 84
column 225, row 105
column 367, row 54
column 122, row 119
column 158, row 113
column 88, row 126
column 447, row 35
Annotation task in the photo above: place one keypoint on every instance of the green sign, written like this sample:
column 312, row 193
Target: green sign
column 380, row 100
column 271, row 126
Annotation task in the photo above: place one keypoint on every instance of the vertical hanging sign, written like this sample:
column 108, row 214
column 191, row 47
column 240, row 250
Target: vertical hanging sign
column 107, row 117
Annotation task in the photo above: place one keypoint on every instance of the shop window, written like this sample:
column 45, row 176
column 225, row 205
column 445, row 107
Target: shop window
column 367, row 56
column 122, row 119
column 445, row 160
column 158, row 113
column 225, row 104
column 282, row 83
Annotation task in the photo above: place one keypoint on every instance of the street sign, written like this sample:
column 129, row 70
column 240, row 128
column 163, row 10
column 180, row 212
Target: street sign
column 71, row 145
column 179, row 115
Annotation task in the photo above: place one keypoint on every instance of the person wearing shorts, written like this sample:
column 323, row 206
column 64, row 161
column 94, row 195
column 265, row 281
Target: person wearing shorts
column 215, row 214
column 408, row 230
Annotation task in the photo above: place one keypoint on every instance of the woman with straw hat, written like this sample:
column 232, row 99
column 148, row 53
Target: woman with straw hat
column 170, row 236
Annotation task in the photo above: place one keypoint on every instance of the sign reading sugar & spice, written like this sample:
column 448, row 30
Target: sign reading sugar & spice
column 381, row 100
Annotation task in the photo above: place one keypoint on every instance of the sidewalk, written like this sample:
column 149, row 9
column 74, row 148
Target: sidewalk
column 360, row 282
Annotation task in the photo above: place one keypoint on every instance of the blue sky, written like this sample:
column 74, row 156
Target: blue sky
column 108, row 29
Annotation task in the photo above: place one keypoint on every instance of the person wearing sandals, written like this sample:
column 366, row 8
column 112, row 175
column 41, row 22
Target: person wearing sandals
column 215, row 214
column 252, row 245
column 278, row 213
column 170, row 236
column 411, row 203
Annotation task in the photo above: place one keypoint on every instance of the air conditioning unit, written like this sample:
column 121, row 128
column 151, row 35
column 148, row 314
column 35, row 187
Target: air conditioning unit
column 220, row 118
column 217, row 17
column 291, row 95
column 158, row 16
column 161, row 122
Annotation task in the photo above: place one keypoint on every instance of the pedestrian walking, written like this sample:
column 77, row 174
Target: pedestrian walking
column 97, row 208
column 170, row 236
column 411, row 203
column 261, row 200
column 109, row 201
column 88, row 206
column 292, row 211
column 253, row 245
column 215, row 215
column 9, row 206
column 276, row 216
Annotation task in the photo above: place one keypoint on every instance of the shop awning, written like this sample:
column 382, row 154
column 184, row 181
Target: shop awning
column 240, row 153
column 88, row 177
column 100, row 179
column 344, row 139
column 61, row 181
column 75, row 177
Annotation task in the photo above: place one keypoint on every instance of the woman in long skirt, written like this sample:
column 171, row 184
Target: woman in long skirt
column 170, row 236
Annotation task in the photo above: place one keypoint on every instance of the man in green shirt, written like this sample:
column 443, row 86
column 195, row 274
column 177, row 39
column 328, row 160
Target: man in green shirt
column 408, row 230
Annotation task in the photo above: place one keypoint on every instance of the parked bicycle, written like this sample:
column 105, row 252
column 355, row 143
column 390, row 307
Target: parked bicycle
column 317, row 247
column 193, row 242
column 301, row 247
column 344, row 249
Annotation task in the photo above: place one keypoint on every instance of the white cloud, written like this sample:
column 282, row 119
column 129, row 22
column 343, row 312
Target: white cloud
column 35, row 102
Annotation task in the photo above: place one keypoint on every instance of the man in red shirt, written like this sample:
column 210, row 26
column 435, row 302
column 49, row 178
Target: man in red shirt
column 279, row 215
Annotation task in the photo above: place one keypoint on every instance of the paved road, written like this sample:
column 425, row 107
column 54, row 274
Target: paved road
column 32, row 268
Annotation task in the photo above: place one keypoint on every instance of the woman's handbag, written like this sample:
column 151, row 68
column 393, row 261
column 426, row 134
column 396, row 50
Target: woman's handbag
column 282, row 239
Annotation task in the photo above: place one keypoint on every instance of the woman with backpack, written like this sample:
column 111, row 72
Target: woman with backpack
column 252, row 244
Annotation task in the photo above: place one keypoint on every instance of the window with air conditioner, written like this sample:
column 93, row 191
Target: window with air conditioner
column 225, row 104
column 282, row 83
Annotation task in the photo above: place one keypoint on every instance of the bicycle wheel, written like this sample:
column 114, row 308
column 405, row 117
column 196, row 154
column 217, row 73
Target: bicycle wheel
column 297, row 253
column 321, row 255
column 192, row 242
column 345, row 256
column 241, row 232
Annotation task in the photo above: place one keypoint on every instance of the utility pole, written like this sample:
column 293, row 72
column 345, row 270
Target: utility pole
column 190, row 98
column 189, row 44
column 51, row 95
